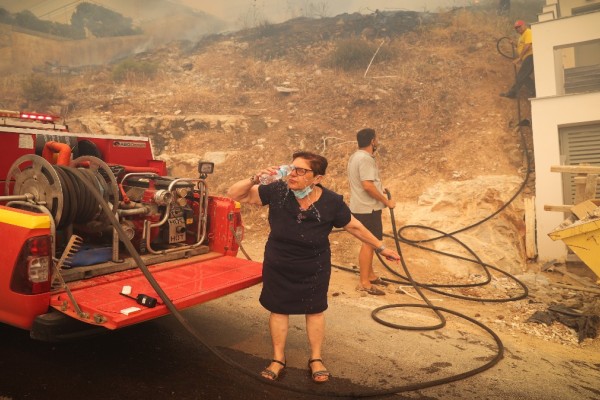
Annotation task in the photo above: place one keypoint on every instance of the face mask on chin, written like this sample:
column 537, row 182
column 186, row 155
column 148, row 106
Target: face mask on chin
column 302, row 193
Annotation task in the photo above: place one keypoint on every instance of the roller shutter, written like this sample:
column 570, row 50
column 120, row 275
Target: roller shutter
column 578, row 145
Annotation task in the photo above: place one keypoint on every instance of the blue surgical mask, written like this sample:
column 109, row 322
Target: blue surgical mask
column 302, row 193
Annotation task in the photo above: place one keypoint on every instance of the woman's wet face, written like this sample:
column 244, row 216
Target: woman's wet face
column 302, row 176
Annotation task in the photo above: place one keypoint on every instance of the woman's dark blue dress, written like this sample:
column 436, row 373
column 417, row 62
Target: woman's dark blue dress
column 297, row 261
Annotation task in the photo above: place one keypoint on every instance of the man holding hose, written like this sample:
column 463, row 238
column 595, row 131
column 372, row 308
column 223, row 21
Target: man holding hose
column 525, row 57
column 366, row 202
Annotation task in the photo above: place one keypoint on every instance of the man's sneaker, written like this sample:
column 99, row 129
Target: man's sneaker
column 508, row 94
column 372, row 290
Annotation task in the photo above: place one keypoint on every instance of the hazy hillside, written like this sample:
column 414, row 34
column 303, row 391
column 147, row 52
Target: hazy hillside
column 431, row 92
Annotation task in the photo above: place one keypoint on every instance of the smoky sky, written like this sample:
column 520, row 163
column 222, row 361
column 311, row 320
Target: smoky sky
column 280, row 10
column 233, row 11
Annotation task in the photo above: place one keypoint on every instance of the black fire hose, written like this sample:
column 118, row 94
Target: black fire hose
column 190, row 329
column 437, row 310
column 506, row 48
column 323, row 393
column 398, row 238
column 437, row 289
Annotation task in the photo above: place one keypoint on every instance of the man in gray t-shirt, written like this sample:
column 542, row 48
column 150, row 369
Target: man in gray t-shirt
column 366, row 202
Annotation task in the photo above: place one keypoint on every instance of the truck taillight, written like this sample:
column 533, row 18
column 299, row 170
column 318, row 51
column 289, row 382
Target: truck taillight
column 33, row 271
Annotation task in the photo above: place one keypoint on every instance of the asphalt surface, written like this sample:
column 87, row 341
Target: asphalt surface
column 161, row 360
column 155, row 360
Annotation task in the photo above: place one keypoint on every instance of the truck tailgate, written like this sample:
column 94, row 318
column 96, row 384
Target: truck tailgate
column 186, row 282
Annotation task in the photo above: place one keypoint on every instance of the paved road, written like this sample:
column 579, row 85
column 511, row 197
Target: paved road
column 160, row 360
column 157, row 360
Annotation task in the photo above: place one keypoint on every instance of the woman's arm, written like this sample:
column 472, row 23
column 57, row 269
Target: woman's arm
column 245, row 191
column 358, row 230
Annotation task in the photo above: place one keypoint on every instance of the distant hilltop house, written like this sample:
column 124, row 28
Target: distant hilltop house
column 566, row 110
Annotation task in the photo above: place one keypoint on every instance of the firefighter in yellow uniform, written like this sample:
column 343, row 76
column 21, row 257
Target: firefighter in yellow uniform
column 525, row 57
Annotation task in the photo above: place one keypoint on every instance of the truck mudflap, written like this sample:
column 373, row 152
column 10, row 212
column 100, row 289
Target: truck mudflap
column 99, row 301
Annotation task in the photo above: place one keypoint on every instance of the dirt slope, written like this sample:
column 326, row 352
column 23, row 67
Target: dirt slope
column 430, row 92
column 433, row 102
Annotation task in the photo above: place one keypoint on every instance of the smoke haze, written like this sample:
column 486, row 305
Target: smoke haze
column 280, row 10
column 239, row 13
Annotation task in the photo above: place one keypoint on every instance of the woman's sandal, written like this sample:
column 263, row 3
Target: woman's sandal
column 318, row 374
column 272, row 375
column 379, row 282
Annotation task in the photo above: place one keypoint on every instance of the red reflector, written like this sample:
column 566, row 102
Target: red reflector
column 39, row 246
column 37, row 117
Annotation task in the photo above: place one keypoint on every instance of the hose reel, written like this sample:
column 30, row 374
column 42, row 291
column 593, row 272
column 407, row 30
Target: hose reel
column 59, row 187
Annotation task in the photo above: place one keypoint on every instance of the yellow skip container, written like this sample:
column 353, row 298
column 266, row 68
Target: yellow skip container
column 583, row 237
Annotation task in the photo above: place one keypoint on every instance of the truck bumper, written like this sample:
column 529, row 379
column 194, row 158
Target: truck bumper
column 55, row 326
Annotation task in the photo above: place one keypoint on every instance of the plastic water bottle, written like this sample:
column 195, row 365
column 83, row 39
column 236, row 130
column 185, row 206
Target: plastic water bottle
column 282, row 171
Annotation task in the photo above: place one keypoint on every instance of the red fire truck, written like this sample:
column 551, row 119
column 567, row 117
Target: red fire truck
column 64, row 269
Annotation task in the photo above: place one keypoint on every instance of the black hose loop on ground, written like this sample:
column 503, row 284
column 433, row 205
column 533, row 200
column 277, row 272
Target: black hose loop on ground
column 194, row 332
column 436, row 287
column 398, row 238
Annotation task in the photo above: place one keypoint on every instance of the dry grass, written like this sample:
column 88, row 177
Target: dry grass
column 420, row 99
column 133, row 71
column 431, row 104
column 355, row 54
column 10, row 92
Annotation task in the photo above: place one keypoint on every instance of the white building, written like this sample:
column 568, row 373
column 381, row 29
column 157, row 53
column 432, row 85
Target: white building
column 566, row 109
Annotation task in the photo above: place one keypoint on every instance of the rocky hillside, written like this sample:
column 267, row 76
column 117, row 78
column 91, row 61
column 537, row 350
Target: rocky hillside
column 450, row 153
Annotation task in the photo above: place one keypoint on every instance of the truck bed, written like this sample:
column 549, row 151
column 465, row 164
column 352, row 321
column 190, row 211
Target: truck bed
column 187, row 282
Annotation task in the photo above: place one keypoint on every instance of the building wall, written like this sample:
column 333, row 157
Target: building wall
column 548, row 116
column 550, row 38
column 552, row 110
column 566, row 6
